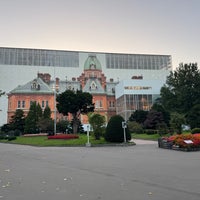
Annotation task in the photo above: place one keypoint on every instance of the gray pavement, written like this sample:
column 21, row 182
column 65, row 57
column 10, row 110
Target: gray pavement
column 139, row 172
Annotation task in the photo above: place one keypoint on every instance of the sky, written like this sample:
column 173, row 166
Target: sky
column 168, row 27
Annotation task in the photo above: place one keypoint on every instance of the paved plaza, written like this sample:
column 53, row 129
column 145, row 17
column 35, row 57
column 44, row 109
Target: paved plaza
column 140, row 172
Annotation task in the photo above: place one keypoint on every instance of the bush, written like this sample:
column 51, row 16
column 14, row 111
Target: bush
column 2, row 137
column 195, row 130
column 151, row 131
column 17, row 132
column 9, row 138
column 114, row 131
column 135, row 127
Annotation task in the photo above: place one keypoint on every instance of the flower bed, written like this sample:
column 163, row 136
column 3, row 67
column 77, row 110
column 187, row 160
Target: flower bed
column 184, row 142
column 63, row 136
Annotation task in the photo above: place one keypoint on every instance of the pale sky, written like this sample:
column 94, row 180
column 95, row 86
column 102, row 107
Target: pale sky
column 121, row 26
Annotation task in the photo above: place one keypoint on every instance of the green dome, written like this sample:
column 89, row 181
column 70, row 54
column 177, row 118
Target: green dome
column 92, row 63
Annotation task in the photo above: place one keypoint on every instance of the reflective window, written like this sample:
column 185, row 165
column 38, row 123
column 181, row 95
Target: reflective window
column 38, row 57
column 135, row 61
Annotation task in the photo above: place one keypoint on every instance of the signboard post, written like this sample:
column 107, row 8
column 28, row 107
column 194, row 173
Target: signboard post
column 124, row 126
column 88, row 144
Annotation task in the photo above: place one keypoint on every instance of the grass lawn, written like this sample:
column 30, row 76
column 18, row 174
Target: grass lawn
column 43, row 141
column 145, row 136
column 81, row 141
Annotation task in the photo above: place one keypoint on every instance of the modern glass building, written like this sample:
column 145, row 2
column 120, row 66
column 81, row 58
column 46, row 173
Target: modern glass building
column 58, row 58
column 136, row 94
column 20, row 65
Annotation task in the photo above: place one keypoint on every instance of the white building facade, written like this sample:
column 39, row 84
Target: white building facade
column 20, row 65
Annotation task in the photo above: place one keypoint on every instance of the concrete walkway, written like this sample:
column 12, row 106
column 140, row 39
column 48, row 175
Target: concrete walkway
column 139, row 141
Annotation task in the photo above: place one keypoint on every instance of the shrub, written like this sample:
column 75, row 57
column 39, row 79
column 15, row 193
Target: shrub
column 195, row 130
column 151, row 131
column 162, row 128
column 9, row 138
column 17, row 132
column 2, row 137
column 135, row 127
column 97, row 122
column 114, row 130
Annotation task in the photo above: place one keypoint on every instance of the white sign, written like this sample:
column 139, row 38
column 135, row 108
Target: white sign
column 188, row 141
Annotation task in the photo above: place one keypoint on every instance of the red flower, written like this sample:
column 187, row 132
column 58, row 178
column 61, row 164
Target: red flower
column 64, row 136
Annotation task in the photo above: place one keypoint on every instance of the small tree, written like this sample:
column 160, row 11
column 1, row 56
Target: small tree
column 114, row 130
column 97, row 122
column 153, row 119
column 31, row 120
column 135, row 127
column 176, row 122
column 159, row 108
column 75, row 103
column 63, row 126
column 47, row 113
column 45, row 123
column 6, row 128
column 139, row 116
column 18, row 121
column 193, row 117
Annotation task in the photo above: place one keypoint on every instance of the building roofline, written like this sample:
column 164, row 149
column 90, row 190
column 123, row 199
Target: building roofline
column 84, row 51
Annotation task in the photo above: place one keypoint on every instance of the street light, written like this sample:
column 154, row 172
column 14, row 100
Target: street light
column 54, row 86
column 55, row 110
column 54, row 92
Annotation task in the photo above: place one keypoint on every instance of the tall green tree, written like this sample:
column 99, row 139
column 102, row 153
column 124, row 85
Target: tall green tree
column 31, row 120
column 181, row 91
column 47, row 113
column 76, row 103
column 18, row 120
column 45, row 123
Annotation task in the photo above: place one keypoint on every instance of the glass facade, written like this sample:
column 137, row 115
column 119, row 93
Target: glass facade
column 42, row 57
column 128, row 103
column 38, row 57
column 137, row 61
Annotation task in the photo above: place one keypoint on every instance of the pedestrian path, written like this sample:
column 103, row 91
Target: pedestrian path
column 139, row 141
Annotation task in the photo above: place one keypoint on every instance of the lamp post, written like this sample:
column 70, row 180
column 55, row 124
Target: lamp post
column 54, row 93
column 54, row 101
column 55, row 110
